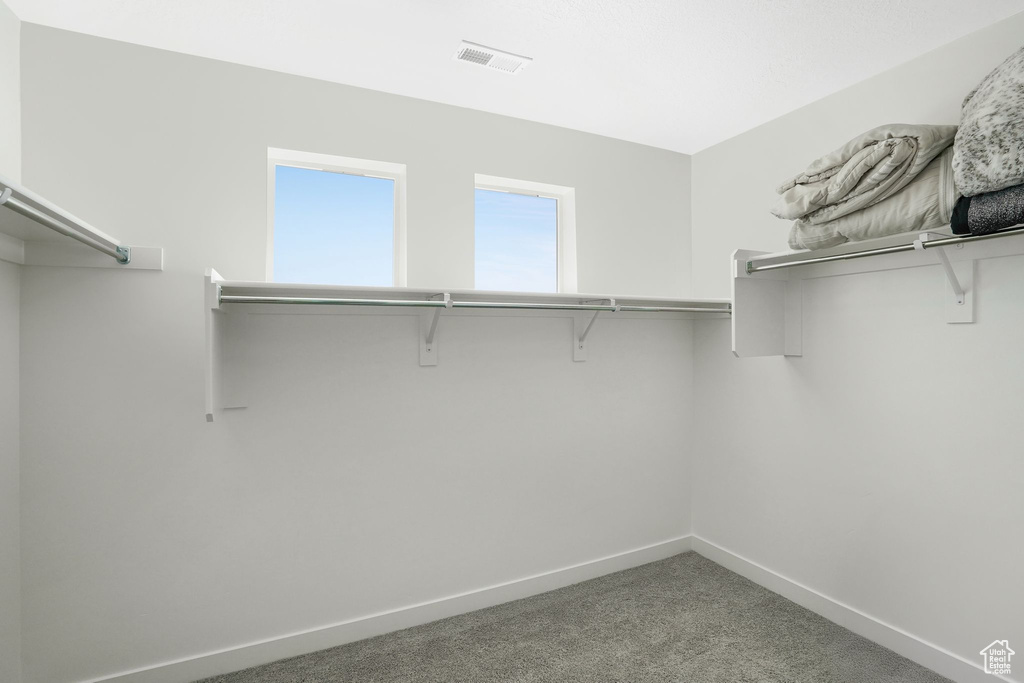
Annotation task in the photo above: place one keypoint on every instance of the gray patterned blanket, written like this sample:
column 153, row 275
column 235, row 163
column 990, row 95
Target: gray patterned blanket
column 988, row 153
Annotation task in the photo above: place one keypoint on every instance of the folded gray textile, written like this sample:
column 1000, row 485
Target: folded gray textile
column 989, row 149
column 925, row 203
column 990, row 212
column 864, row 171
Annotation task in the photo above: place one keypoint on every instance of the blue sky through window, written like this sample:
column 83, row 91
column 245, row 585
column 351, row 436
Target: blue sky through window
column 333, row 228
column 516, row 242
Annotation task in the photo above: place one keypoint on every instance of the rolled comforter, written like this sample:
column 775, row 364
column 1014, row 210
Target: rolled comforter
column 863, row 172
column 989, row 212
column 925, row 203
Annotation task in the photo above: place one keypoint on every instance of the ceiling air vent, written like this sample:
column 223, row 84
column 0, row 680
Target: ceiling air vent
column 491, row 58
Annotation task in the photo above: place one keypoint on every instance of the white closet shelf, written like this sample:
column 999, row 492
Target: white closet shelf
column 767, row 288
column 32, row 232
column 224, row 296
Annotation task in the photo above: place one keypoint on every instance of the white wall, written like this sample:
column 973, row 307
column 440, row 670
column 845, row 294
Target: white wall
column 734, row 182
column 883, row 467
column 357, row 481
column 10, row 94
column 10, row 294
column 10, row 556
column 189, row 137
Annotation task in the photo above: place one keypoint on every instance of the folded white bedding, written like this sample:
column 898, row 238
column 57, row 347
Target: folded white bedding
column 925, row 203
column 866, row 170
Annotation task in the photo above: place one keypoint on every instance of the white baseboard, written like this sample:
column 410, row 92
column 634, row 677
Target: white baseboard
column 293, row 644
column 926, row 654
column 206, row 664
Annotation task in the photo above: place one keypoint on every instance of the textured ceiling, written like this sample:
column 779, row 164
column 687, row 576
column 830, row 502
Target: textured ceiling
column 677, row 74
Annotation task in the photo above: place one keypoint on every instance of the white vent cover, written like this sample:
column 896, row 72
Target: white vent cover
column 491, row 58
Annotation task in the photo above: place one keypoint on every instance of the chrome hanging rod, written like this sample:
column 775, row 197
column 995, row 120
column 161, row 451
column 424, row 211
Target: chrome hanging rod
column 676, row 309
column 326, row 301
column 530, row 305
column 34, row 207
column 323, row 301
column 752, row 266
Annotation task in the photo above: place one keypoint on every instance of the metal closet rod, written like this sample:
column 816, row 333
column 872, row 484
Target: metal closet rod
column 88, row 238
column 926, row 244
column 324, row 301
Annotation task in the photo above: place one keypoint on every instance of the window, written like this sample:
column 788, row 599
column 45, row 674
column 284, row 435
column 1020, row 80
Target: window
column 525, row 236
column 335, row 220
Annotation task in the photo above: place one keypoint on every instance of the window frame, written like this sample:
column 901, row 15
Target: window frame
column 565, row 215
column 349, row 166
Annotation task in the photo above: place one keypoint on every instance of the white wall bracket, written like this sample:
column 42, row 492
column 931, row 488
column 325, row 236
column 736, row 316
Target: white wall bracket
column 227, row 386
column 428, row 330
column 582, row 326
column 213, row 313
column 959, row 281
column 767, row 311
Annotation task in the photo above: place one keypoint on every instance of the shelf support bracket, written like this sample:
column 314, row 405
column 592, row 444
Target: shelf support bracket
column 428, row 330
column 581, row 331
column 767, row 310
column 433, row 329
column 959, row 278
column 213, row 314
column 954, row 282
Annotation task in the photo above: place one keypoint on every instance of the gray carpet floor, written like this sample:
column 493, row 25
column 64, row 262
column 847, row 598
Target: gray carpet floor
column 680, row 620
